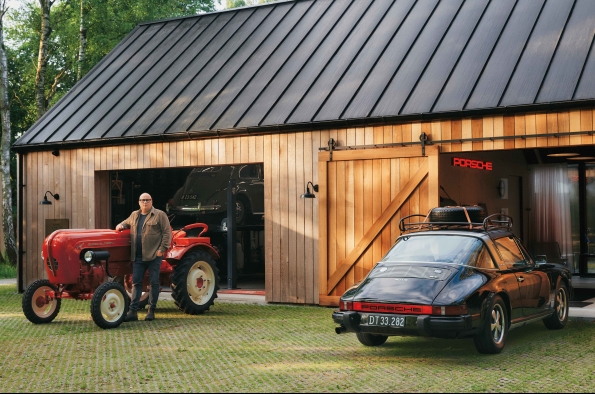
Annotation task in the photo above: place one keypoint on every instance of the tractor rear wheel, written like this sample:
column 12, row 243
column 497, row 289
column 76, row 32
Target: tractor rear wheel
column 36, row 306
column 109, row 305
column 195, row 282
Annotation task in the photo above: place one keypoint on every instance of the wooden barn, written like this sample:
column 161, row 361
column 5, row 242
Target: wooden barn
column 389, row 106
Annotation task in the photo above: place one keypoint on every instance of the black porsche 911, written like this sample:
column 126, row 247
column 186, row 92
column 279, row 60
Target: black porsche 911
column 456, row 274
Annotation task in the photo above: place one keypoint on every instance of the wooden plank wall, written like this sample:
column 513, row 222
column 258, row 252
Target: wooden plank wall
column 290, row 160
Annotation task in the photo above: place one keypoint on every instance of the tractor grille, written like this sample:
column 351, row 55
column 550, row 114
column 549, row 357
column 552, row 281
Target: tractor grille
column 50, row 266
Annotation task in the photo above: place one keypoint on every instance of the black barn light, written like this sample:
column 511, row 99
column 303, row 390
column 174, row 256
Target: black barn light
column 308, row 194
column 45, row 200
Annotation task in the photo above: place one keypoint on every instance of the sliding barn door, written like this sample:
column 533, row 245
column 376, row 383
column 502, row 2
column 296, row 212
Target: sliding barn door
column 363, row 195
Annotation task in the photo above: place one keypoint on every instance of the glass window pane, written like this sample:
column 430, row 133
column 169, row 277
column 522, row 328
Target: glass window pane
column 510, row 251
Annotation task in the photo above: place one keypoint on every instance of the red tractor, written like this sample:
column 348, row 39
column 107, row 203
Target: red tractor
column 95, row 265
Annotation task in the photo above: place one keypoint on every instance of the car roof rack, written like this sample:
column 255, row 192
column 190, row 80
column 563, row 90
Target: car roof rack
column 492, row 222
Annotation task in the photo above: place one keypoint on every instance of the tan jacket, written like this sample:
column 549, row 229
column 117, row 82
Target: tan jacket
column 156, row 234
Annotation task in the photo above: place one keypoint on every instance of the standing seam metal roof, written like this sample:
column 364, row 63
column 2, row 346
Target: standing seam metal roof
column 317, row 61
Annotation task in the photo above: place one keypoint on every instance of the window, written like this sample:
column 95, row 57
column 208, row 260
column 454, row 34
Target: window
column 249, row 172
column 428, row 248
column 510, row 252
column 484, row 260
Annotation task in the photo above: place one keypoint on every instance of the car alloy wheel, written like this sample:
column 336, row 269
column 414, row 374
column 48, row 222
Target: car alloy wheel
column 491, row 337
column 561, row 304
column 558, row 319
column 497, row 324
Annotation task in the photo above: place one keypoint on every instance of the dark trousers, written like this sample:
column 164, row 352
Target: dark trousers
column 138, row 273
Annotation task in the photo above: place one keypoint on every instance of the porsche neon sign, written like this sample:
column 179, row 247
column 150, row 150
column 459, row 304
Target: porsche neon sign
column 468, row 163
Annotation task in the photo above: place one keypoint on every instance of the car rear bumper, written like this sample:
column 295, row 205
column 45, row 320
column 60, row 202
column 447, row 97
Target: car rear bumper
column 415, row 325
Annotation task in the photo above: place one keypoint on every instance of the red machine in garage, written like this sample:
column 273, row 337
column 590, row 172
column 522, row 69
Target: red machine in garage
column 95, row 265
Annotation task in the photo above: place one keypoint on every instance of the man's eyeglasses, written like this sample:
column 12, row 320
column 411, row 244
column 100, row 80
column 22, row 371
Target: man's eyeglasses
column 145, row 200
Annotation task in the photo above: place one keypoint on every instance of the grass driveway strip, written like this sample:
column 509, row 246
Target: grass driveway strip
column 253, row 348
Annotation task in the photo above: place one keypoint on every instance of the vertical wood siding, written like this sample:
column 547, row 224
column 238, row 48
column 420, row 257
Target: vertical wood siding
column 290, row 160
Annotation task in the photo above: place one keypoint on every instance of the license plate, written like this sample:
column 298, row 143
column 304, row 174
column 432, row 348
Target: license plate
column 384, row 321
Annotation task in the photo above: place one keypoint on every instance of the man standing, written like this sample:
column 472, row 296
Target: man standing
column 150, row 237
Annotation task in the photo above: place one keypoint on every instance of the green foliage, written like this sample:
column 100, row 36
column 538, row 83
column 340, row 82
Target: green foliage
column 107, row 22
column 243, row 3
column 7, row 271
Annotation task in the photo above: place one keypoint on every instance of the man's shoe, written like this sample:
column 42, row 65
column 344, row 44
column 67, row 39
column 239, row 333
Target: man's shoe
column 131, row 316
column 150, row 315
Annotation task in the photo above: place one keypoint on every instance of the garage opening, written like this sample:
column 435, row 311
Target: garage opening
column 544, row 190
column 199, row 194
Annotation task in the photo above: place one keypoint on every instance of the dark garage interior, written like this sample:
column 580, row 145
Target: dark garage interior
column 162, row 184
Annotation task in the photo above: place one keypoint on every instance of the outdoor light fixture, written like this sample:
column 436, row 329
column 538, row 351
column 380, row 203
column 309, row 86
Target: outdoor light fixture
column 307, row 194
column 503, row 188
column 56, row 152
column 45, row 200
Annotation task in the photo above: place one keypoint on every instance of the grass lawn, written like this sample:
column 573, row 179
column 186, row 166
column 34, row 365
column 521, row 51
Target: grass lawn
column 239, row 348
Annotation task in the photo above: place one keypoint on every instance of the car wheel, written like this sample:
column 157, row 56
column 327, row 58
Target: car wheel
column 371, row 339
column 126, row 282
column 109, row 305
column 242, row 211
column 492, row 337
column 457, row 214
column 195, row 282
column 559, row 318
column 36, row 307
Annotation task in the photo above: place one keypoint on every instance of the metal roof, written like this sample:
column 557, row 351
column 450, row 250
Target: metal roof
column 319, row 62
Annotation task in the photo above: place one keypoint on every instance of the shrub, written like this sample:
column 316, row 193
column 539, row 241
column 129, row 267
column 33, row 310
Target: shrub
column 7, row 271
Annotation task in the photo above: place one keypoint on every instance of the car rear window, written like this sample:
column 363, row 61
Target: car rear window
column 452, row 249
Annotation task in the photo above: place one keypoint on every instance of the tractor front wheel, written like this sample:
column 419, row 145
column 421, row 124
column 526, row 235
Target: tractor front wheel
column 109, row 305
column 195, row 282
column 37, row 306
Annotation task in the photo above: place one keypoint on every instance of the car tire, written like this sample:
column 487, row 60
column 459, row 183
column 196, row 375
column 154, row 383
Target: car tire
column 371, row 339
column 559, row 318
column 36, row 310
column 195, row 282
column 492, row 336
column 109, row 305
column 457, row 214
column 126, row 282
column 242, row 211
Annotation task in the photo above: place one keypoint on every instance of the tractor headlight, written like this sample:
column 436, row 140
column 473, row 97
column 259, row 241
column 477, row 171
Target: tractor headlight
column 88, row 256
column 95, row 255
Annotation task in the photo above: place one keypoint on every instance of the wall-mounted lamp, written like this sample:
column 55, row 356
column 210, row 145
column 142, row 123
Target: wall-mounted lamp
column 503, row 188
column 56, row 152
column 307, row 194
column 45, row 200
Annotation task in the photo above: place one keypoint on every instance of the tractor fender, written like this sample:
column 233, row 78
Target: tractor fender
column 174, row 255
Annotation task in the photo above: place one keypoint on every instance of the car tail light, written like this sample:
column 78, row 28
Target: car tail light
column 451, row 310
column 346, row 305
column 403, row 309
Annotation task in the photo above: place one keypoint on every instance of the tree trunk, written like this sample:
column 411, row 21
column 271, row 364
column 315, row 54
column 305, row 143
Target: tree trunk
column 82, row 42
column 46, row 30
column 7, row 223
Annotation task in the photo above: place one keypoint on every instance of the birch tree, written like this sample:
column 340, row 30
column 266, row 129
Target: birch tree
column 82, row 42
column 7, row 221
column 42, row 58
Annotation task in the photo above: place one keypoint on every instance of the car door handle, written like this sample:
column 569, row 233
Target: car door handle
column 520, row 279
